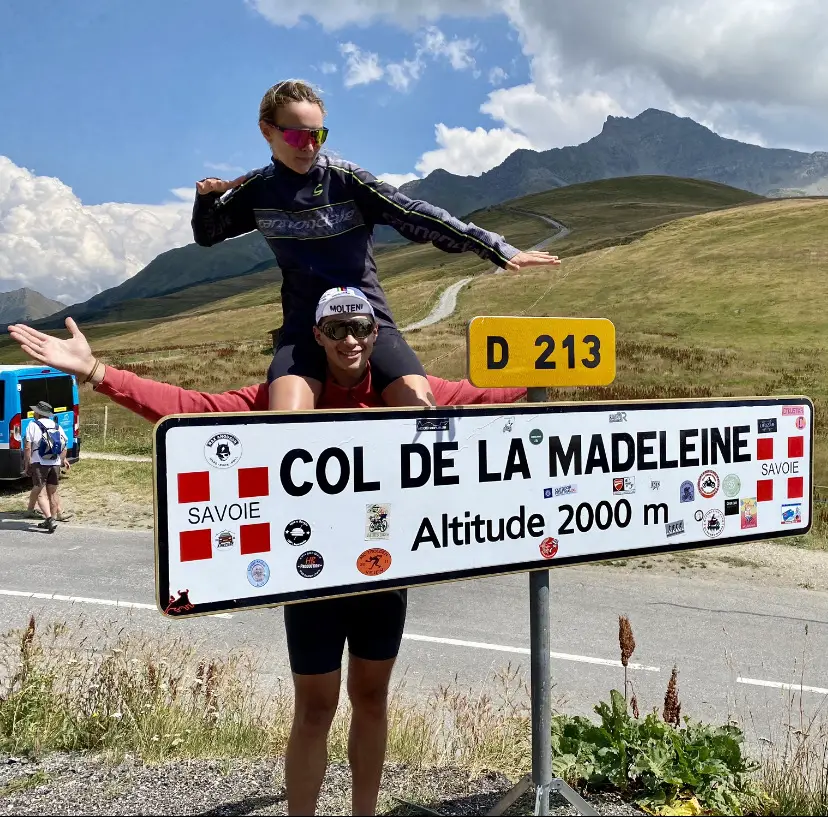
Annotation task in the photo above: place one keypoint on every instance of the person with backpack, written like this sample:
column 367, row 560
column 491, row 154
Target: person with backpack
column 43, row 455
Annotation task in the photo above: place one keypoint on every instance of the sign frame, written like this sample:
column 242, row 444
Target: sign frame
column 163, row 590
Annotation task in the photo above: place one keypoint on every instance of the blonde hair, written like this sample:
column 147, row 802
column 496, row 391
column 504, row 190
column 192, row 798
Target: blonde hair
column 290, row 90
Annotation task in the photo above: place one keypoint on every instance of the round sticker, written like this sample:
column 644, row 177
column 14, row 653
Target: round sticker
column 225, row 539
column 708, row 484
column 373, row 561
column 223, row 450
column 731, row 485
column 800, row 423
column 310, row 564
column 549, row 547
column 297, row 532
column 258, row 573
column 536, row 436
column 713, row 523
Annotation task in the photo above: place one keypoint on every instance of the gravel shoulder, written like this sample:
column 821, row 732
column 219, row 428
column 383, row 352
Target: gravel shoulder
column 767, row 563
column 80, row 784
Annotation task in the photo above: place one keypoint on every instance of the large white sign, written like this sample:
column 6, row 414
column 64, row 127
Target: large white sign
column 260, row 509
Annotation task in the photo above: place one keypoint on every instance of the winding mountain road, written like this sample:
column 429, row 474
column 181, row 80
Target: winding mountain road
column 447, row 304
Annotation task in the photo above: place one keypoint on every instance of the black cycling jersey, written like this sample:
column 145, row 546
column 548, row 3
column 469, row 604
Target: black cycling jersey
column 320, row 224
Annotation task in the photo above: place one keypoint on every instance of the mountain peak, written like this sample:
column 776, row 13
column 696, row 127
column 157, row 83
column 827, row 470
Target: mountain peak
column 650, row 120
column 26, row 304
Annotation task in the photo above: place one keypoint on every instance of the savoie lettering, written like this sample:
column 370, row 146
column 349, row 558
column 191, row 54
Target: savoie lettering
column 647, row 450
column 465, row 530
column 776, row 468
column 234, row 511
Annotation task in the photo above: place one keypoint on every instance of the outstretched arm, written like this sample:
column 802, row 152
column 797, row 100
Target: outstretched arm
column 421, row 222
column 149, row 398
column 463, row 393
column 216, row 218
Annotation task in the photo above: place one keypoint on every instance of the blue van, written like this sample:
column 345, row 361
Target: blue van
column 22, row 387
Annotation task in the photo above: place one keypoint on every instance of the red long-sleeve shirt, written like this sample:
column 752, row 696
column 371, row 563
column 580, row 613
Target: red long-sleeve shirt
column 154, row 400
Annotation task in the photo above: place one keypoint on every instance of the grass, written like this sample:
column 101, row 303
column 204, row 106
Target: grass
column 96, row 688
column 715, row 318
column 113, row 693
column 88, row 491
column 618, row 211
column 25, row 783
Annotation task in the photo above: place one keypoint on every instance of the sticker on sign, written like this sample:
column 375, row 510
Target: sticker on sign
column 327, row 505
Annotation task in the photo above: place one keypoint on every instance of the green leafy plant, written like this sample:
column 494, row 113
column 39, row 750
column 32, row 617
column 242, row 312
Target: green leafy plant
column 653, row 762
column 663, row 767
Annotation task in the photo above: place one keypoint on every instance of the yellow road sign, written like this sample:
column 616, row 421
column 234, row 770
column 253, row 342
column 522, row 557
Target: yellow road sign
column 507, row 351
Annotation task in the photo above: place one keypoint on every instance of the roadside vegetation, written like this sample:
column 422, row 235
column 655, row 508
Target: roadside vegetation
column 79, row 689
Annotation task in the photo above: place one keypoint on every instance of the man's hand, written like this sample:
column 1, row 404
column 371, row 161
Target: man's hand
column 72, row 355
column 532, row 258
column 216, row 186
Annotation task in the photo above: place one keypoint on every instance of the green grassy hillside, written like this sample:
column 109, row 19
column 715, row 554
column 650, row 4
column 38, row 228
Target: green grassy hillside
column 725, row 303
column 598, row 213
column 218, row 336
column 712, row 293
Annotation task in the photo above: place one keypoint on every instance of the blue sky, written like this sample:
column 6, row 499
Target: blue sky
column 124, row 101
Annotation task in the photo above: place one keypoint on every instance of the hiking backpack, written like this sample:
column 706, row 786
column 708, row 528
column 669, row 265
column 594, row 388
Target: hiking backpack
column 50, row 441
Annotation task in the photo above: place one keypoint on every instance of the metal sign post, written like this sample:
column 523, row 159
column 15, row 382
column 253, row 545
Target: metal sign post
column 541, row 671
column 507, row 351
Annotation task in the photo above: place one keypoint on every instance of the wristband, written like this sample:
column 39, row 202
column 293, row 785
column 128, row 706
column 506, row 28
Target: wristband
column 92, row 373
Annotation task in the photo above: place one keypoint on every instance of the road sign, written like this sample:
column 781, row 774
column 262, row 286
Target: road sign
column 526, row 352
column 260, row 509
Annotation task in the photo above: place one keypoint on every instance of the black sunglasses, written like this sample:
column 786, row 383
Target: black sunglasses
column 360, row 328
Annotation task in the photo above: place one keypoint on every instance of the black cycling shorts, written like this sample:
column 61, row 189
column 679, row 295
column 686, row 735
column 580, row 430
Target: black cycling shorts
column 391, row 358
column 371, row 623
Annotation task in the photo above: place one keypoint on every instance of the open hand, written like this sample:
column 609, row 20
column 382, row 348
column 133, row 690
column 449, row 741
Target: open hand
column 72, row 355
column 217, row 185
column 531, row 258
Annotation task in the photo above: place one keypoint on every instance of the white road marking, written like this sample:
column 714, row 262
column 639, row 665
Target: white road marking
column 779, row 685
column 136, row 605
column 560, row 656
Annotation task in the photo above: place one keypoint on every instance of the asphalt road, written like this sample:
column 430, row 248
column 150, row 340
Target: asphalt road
column 734, row 643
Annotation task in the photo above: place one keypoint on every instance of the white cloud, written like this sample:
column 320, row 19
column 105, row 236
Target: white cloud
column 497, row 75
column 334, row 15
column 52, row 242
column 402, row 74
column 552, row 119
column 361, row 67
column 398, row 179
column 470, row 152
column 456, row 51
column 328, row 68
column 223, row 167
